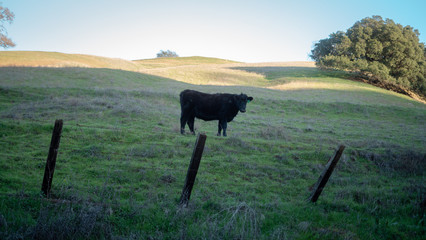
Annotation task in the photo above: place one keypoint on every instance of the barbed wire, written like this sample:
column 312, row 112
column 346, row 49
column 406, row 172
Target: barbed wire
column 21, row 156
column 67, row 152
column 128, row 153
column 153, row 150
column 80, row 125
column 179, row 167
column 140, row 142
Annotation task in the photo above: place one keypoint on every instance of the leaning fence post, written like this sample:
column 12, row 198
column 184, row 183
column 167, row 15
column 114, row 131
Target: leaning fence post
column 51, row 157
column 325, row 175
column 193, row 169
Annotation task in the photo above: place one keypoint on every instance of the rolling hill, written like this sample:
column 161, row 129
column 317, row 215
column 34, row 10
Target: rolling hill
column 122, row 161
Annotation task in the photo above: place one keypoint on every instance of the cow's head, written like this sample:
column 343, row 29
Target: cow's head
column 241, row 101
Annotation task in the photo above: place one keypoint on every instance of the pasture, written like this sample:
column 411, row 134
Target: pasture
column 122, row 160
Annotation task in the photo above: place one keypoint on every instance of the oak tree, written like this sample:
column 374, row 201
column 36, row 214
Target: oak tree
column 379, row 50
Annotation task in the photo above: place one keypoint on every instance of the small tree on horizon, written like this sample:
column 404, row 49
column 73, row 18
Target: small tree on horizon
column 5, row 16
column 167, row 53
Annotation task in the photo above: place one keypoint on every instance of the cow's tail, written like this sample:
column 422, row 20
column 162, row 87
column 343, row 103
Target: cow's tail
column 182, row 99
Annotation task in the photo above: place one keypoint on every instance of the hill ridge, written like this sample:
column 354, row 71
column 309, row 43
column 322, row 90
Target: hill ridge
column 58, row 59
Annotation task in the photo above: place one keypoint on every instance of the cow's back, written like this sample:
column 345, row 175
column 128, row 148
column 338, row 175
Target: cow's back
column 191, row 97
column 205, row 106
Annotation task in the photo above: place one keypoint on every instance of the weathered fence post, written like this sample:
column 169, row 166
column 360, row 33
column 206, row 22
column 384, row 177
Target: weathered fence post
column 193, row 169
column 325, row 175
column 51, row 157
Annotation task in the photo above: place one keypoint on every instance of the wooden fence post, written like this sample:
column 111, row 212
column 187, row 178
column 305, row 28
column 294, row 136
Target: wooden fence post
column 51, row 158
column 193, row 169
column 322, row 181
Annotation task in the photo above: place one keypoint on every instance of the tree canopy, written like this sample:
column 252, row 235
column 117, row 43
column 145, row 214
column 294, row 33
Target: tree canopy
column 5, row 16
column 379, row 50
column 167, row 53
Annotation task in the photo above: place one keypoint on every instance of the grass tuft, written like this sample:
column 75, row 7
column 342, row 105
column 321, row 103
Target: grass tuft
column 237, row 222
column 406, row 162
column 67, row 221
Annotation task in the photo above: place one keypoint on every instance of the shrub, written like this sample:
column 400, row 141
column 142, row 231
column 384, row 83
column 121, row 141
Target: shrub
column 167, row 53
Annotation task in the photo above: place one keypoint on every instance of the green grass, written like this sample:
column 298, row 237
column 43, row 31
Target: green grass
column 122, row 161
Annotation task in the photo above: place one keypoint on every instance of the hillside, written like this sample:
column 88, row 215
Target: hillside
column 55, row 59
column 122, row 161
column 212, row 71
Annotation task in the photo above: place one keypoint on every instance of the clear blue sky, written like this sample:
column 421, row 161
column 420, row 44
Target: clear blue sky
column 246, row 30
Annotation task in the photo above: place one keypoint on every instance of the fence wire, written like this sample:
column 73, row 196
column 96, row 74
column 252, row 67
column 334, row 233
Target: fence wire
column 66, row 152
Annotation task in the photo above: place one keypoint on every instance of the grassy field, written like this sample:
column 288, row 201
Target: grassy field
column 122, row 160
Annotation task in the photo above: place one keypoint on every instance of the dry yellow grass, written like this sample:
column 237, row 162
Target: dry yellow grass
column 282, row 64
column 54, row 59
column 298, row 85
column 210, row 74
column 215, row 72
column 178, row 61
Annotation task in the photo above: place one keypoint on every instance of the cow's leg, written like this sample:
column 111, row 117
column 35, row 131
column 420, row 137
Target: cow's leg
column 224, row 125
column 219, row 128
column 191, row 124
column 183, row 120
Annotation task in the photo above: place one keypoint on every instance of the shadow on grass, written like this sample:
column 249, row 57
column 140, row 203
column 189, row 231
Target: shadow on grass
column 80, row 77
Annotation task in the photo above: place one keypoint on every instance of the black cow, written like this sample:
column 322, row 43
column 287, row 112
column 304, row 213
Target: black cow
column 220, row 106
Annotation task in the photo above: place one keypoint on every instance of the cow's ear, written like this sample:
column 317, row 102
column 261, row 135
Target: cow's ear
column 249, row 99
